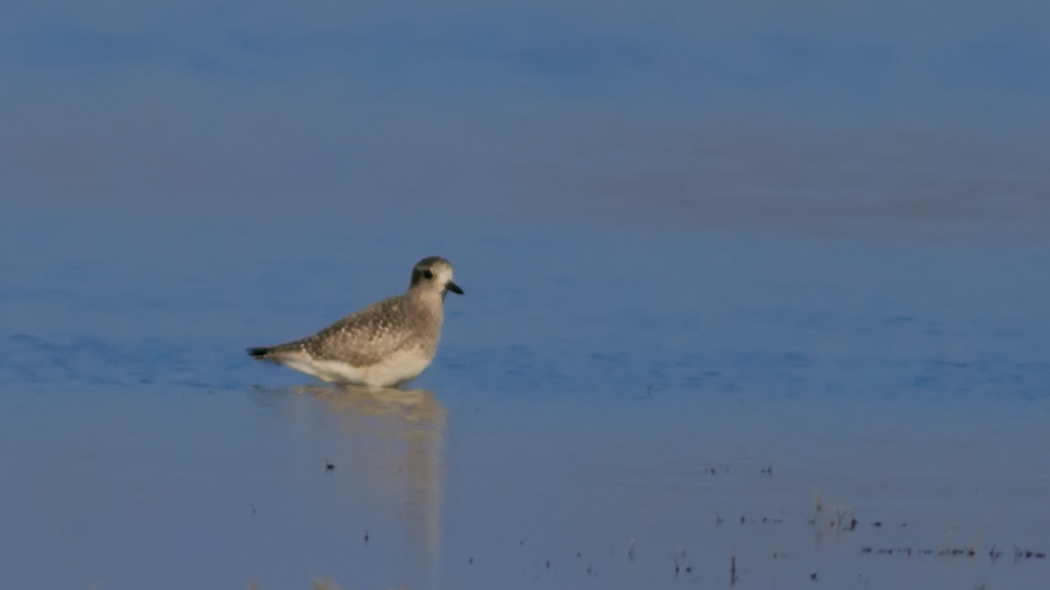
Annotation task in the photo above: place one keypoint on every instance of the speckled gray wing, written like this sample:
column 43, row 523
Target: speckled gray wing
column 360, row 339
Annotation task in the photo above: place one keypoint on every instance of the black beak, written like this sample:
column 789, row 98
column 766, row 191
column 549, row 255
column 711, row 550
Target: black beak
column 450, row 286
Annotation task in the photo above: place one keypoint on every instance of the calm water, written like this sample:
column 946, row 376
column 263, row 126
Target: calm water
column 613, row 402
column 756, row 294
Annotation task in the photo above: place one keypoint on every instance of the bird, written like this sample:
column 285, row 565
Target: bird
column 383, row 345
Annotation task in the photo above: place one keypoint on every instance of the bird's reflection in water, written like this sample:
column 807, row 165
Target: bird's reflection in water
column 404, row 432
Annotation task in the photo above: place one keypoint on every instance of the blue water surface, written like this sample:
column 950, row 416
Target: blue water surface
column 623, row 394
column 755, row 294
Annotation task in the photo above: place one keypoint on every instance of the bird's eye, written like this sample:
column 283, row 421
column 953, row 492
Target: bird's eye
column 427, row 274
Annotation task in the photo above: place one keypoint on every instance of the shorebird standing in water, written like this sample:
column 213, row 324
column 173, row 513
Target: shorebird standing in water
column 384, row 344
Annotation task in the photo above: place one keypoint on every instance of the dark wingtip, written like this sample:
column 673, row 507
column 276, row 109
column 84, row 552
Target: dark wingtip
column 259, row 352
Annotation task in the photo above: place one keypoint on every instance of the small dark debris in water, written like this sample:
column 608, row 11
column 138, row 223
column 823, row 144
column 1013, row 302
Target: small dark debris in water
column 813, row 576
column 710, row 470
column 676, row 569
column 366, row 536
column 852, row 524
column 328, row 465
column 470, row 561
column 768, row 470
column 589, row 571
column 579, row 554
column 1020, row 554
column 876, row 523
column 688, row 569
column 741, row 520
column 994, row 553
column 522, row 543
column 732, row 570
column 718, row 520
column 548, row 564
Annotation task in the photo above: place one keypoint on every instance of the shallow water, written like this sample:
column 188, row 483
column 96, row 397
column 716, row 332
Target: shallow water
column 756, row 294
column 611, row 407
